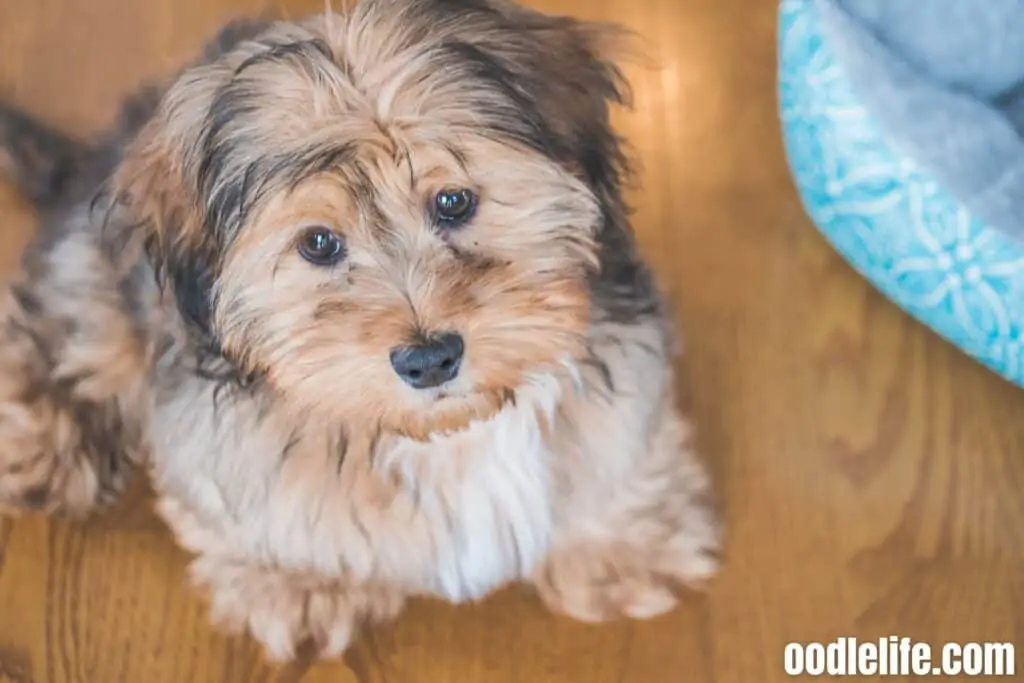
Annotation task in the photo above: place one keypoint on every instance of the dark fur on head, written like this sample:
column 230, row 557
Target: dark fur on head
column 555, row 89
column 197, row 163
column 332, row 487
column 238, row 133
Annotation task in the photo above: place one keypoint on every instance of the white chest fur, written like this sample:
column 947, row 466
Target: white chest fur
column 458, row 517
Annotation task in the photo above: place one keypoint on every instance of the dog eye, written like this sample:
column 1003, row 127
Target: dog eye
column 321, row 247
column 454, row 206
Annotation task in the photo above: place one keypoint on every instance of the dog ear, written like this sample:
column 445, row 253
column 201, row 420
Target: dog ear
column 561, row 73
column 577, row 90
column 157, row 187
column 165, row 217
column 569, row 73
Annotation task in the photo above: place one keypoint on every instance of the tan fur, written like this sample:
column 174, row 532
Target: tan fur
column 50, row 397
column 329, row 491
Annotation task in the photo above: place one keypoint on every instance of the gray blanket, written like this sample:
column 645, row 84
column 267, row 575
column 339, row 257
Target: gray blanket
column 945, row 79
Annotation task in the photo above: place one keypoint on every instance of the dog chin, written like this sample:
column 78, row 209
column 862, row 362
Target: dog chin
column 446, row 411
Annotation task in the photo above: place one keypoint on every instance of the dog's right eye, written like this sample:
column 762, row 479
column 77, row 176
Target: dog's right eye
column 321, row 247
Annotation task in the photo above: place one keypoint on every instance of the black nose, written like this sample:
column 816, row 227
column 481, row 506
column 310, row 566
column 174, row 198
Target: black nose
column 431, row 363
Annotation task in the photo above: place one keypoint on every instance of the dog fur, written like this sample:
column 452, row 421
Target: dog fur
column 164, row 320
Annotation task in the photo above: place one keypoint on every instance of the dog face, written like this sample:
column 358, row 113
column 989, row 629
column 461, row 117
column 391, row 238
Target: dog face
column 392, row 215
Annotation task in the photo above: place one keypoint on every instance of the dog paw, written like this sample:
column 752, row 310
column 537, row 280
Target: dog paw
column 65, row 445
column 595, row 580
column 39, row 469
column 284, row 613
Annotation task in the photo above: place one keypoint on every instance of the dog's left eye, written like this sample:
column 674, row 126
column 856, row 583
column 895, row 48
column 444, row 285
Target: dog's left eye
column 321, row 247
column 454, row 207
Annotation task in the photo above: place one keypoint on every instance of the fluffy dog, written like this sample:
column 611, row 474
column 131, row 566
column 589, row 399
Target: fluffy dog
column 361, row 294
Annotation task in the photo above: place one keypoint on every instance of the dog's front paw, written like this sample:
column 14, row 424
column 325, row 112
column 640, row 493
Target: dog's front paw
column 41, row 468
column 634, row 576
column 284, row 612
column 65, row 444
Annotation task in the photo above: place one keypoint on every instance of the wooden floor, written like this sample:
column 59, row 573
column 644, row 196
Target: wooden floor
column 873, row 477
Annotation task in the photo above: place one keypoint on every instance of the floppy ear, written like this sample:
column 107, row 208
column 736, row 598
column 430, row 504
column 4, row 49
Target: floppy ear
column 569, row 71
column 165, row 215
column 580, row 82
column 155, row 183
column 156, row 187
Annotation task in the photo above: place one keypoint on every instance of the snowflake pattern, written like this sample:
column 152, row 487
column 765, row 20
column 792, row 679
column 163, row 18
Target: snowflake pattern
column 917, row 244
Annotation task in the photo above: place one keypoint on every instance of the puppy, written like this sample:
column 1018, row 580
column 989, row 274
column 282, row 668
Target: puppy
column 361, row 295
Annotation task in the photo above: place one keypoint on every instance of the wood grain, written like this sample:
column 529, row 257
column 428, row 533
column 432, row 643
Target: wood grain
column 872, row 475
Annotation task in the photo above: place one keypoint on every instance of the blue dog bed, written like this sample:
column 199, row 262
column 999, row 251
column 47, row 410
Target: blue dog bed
column 887, row 212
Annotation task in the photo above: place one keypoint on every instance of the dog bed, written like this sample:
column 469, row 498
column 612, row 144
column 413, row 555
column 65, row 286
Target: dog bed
column 935, row 223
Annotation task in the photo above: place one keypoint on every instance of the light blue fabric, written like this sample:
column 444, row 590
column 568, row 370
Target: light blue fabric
column 886, row 215
column 944, row 79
